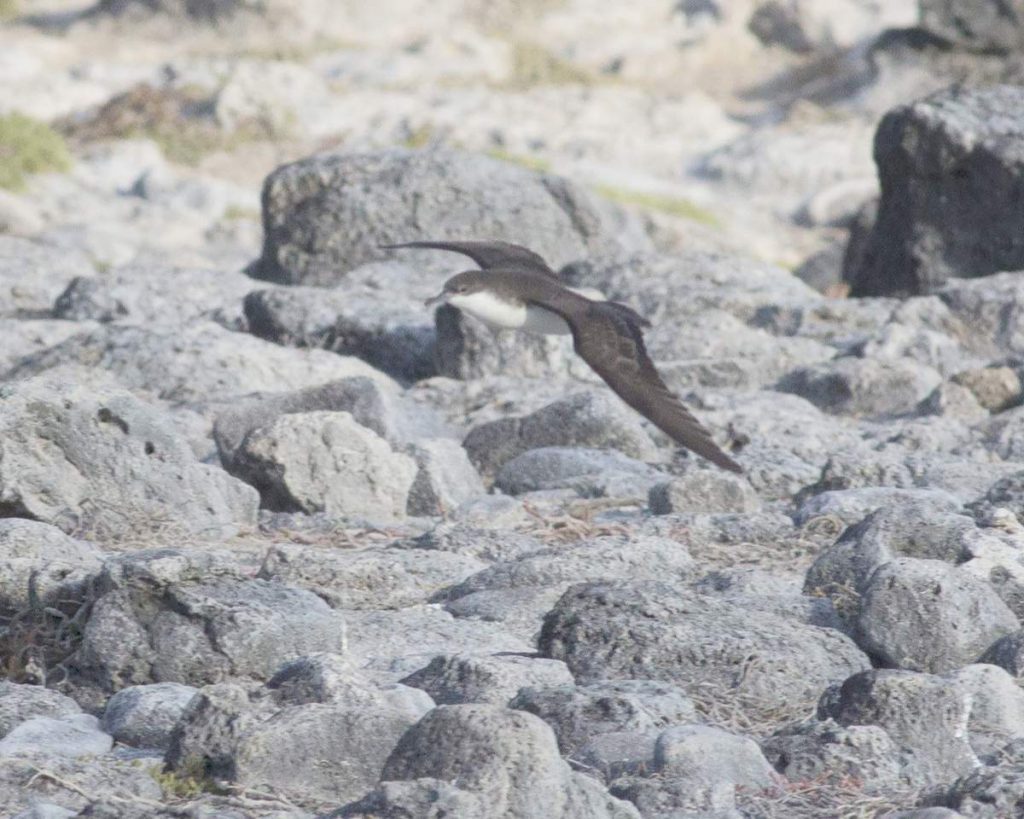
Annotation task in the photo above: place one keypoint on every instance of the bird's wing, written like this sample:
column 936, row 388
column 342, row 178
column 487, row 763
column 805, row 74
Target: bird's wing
column 610, row 340
column 487, row 255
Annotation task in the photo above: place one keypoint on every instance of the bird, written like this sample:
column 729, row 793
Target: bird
column 516, row 289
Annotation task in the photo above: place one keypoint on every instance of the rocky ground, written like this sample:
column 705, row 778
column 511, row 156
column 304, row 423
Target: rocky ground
column 277, row 542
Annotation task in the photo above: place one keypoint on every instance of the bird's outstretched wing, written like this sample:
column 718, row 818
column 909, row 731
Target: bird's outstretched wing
column 487, row 255
column 612, row 343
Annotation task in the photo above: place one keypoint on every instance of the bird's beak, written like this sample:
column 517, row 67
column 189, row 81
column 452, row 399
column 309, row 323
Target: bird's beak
column 438, row 299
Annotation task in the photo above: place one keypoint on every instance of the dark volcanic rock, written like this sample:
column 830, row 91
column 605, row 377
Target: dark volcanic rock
column 326, row 215
column 952, row 174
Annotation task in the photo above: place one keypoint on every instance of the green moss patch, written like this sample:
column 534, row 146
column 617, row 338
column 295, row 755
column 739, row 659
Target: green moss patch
column 672, row 205
column 27, row 147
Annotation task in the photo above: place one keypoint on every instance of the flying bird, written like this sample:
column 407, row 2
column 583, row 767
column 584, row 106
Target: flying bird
column 516, row 289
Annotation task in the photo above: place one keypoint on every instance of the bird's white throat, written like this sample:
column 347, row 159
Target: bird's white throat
column 508, row 315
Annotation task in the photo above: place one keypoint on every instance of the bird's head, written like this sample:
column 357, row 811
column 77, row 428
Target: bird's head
column 458, row 287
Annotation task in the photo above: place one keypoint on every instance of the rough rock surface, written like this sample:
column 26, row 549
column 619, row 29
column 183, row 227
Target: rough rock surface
column 106, row 463
column 319, row 225
column 950, row 168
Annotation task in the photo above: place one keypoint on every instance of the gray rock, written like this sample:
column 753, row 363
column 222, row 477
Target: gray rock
column 985, row 26
column 991, row 307
column 911, row 526
column 850, row 506
column 32, row 275
column 950, row 400
column 394, row 334
column 926, row 716
column 74, row 735
column 325, row 462
column 771, row 592
column 663, row 632
column 509, row 757
column 587, row 419
column 812, row 750
column 601, row 558
column 863, row 386
column 589, row 472
column 468, row 349
column 698, row 769
column 957, row 146
column 519, row 610
column 926, row 813
column 42, row 566
column 956, row 617
column 372, row 578
column 445, row 480
column 617, row 754
column 997, row 707
column 985, row 793
column 420, row 797
column 228, row 736
column 491, row 544
column 704, row 491
column 494, row 680
column 196, row 632
column 45, row 810
column 579, row 714
column 200, row 361
column 1005, row 493
column 100, row 461
column 28, row 337
column 369, row 401
column 1007, row 653
column 19, row 703
column 333, row 679
column 996, row 388
column 144, row 715
column 140, row 294
column 394, row 644
column 326, row 215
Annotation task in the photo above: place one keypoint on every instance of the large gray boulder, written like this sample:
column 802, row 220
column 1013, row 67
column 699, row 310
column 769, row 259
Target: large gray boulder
column 200, row 361
column 823, row 749
column 598, row 420
column 445, row 478
column 376, row 314
column 326, row 215
column 698, row 769
column 591, row 473
column 32, row 275
column 926, row 615
column 987, row 26
column 495, row 680
column 144, row 715
column 102, row 462
column 325, row 462
column 22, row 702
column 509, row 757
column 665, row 632
column 40, row 565
column 952, row 174
column 227, row 734
column 75, row 735
column 159, row 622
column 926, row 716
column 372, row 578
column 580, row 713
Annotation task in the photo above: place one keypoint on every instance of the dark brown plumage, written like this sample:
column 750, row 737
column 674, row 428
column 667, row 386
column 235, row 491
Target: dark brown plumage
column 606, row 334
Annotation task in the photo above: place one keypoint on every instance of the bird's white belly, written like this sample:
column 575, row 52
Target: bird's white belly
column 510, row 316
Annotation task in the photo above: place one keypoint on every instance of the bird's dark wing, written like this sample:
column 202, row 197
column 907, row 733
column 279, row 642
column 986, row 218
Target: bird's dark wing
column 487, row 255
column 612, row 343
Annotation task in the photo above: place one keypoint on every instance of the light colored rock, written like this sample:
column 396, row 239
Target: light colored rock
column 32, row 275
column 455, row 680
column 508, row 757
column 703, row 492
column 925, row 615
column 445, row 479
column 101, row 461
column 70, row 736
column 589, row 472
column 19, row 703
column 373, row 578
column 817, row 749
column 40, row 565
column 145, row 715
column 326, row 462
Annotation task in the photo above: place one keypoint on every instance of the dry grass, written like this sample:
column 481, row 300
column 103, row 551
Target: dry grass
column 28, row 147
column 676, row 206
column 533, row 65
column 37, row 642
column 827, row 796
